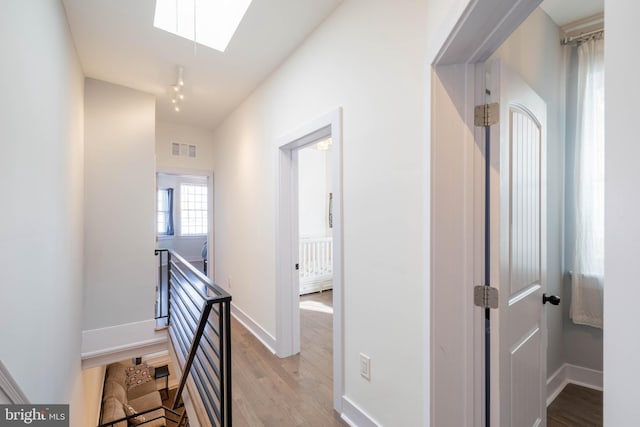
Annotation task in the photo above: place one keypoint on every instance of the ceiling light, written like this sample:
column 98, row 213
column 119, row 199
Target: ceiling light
column 178, row 96
column 324, row 145
column 180, row 76
column 210, row 23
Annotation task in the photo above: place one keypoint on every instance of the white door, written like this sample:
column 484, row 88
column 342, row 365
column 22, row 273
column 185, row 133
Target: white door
column 518, row 248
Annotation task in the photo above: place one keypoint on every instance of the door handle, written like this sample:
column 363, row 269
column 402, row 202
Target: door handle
column 552, row 299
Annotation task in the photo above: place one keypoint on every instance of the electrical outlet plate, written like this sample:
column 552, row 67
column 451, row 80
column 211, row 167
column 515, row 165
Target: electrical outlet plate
column 365, row 366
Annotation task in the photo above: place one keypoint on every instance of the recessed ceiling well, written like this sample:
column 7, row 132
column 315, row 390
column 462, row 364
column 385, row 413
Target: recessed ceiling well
column 210, row 23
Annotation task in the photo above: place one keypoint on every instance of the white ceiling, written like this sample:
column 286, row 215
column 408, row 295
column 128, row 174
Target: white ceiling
column 116, row 42
column 564, row 12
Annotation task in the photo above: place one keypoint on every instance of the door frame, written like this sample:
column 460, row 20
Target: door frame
column 287, row 283
column 210, row 187
column 457, row 206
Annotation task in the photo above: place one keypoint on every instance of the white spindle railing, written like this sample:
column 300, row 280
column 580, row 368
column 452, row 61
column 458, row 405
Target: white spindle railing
column 316, row 264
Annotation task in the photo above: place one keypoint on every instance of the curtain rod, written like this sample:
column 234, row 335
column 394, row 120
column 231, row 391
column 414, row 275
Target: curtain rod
column 574, row 40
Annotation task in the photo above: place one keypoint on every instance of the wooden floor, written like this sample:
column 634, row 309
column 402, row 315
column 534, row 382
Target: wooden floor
column 296, row 391
column 576, row 407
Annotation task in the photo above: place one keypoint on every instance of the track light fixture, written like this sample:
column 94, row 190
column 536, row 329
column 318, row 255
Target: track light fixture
column 178, row 95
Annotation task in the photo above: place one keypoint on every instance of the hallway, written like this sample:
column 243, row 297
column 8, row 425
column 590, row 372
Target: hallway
column 268, row 391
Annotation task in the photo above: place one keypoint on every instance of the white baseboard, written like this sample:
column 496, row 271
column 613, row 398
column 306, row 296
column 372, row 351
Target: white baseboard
column 10, row 388
column 252, row 326
column 555, row 384
column 353, row 415
column 114, row 343
column 572, row 374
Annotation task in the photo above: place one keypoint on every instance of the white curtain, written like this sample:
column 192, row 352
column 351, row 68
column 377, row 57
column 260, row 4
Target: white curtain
column 588, row 263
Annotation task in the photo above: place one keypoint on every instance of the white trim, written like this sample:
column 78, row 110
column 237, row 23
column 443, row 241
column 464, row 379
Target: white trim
column 556, row 383
column 481, row 29
column 572, row 374
column 287, row 241
column 113, row 343
column 354, row 415
column 126, row 352
column 10, row 387
column 585, row 377
column 252, row 326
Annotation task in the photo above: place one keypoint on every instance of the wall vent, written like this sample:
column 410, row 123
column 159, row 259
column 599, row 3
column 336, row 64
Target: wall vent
column 183, row 150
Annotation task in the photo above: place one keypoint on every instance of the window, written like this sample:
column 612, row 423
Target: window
column 211, row 23
column 193, row 209
column 164, row 212
column 588, row 262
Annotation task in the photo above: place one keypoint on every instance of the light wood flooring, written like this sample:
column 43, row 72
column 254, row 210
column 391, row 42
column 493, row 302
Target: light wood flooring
column 296, row 391
column 576, row 406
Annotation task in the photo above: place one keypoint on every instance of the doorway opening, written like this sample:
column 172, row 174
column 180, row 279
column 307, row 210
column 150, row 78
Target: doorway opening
column 184, row 224
column 315, row 218
column 316, row 265
column 184, row 217
column 457, row 218
column 315, row 261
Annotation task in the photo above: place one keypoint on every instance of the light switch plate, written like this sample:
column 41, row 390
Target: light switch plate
column 365, row 366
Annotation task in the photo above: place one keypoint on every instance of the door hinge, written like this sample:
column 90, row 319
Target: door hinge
column 487, row 114
column 485, row 296
column 297, row 266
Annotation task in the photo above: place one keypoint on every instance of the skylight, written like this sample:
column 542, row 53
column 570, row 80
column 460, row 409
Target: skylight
column 210, row 23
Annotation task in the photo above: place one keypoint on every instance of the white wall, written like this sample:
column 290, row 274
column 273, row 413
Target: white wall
column 534, row 52
column 314, row 188
column 166, row 133
column 189, row 247
column 622, row 210
column 622, row 207
column 41, row 219
column 119, row 205
column 367, row 57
